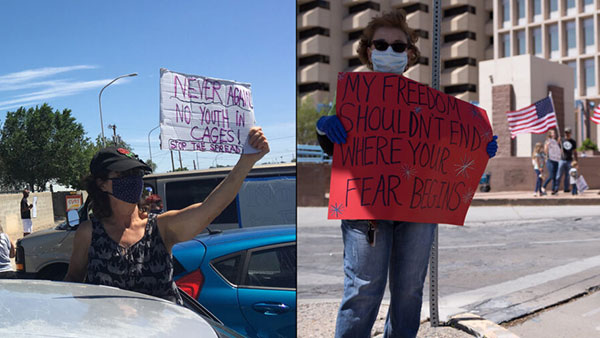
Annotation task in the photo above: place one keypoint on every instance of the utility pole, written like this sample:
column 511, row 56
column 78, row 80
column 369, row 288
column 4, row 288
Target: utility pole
column 114, row 128
column 172, row 163
column 180, row 164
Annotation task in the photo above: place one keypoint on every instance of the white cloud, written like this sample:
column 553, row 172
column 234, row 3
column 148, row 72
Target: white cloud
column 17, row 80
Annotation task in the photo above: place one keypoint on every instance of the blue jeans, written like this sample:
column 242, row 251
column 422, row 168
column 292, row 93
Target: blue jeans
column 538, row 181
column 402, row 248
column 552, row 169
column 563, row 169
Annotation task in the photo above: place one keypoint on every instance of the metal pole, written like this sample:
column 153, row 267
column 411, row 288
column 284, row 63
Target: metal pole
column 100, row 102
column 149, row 148
column 180, row 164
column 435, row 84
column 172, row 163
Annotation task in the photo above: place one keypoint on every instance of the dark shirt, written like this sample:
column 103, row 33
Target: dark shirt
column 144, row 267
column 25, row 212
column 569, row 146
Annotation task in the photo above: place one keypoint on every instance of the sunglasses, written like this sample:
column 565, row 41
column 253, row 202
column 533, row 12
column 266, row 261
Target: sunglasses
column 382, row 45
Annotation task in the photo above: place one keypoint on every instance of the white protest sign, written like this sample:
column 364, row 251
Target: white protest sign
column 199, row 113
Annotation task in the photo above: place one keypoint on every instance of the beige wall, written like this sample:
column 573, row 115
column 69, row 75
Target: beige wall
column 10, row 213
column 530, row 77
column 340, row 49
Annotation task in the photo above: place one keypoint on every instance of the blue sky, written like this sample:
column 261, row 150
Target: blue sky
column 63, row 52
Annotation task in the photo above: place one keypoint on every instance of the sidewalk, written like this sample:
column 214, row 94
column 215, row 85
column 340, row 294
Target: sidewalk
column 526, row 198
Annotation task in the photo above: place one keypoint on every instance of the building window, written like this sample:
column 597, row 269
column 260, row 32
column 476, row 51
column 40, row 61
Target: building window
column 310, row 87
column 571, row 39
column 537, row 10
column 571, row 7
column 416, row 7
column 459, row 10
column 590, row 77
column 588, row 35
column 363, row 7
column 521, row 11
column 422, row 61
column 309, row 33
column 312, row 5
column 505, row 13
column 309, row 60
column 553, row 39
column 536, row 41
column 520, row 42
column 553, row 9
column 460, row 36
column 422, row 33
column 573, row 65
column 354, row 35
column 354, row 62
column 454, row 63
column 505, row 45
column 588, row 5
column 460, row 88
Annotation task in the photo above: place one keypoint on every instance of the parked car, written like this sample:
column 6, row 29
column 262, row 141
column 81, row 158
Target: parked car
column 246, row 277
column 33, row 308
column 267, row 197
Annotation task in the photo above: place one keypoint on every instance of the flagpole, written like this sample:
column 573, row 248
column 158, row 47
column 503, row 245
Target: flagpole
column 562, row 154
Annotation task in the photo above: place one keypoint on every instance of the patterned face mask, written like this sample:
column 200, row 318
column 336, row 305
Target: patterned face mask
column 127, row 189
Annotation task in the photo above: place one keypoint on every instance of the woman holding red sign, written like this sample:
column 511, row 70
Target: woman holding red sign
column 371, row 248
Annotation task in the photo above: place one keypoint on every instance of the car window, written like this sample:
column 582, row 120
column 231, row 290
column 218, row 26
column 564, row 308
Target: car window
column 273, row 268
column 182, row 194
column 228, row 268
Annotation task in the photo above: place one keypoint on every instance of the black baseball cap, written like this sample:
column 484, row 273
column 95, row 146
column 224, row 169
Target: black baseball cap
column 116, row 159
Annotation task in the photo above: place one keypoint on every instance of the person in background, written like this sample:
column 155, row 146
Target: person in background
column 538, row 158
column 569, row 154
column 553, row 154
column 118, row 248
column 573, row 175
column 402, row 248
column 7, row 251
column 155, row 204
column 26, row 214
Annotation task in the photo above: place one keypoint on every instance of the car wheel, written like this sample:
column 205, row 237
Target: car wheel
column 53, row 272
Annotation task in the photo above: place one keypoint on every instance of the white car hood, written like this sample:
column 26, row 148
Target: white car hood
column 35, row 308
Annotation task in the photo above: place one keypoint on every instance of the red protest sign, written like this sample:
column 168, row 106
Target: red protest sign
column 412, row 153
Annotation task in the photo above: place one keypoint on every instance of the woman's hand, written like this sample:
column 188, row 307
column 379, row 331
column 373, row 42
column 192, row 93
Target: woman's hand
column 258, row 140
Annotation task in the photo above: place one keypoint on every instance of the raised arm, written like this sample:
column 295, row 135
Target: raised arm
column 181, row 225
column 79, row 255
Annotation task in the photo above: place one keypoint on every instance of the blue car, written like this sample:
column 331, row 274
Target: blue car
column 245, row 277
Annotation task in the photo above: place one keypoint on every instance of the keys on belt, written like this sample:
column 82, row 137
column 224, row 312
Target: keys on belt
column 372, row 233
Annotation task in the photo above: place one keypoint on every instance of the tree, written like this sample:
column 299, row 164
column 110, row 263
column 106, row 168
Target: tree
column 38, row 145
column 307, row 118
column 152, row 165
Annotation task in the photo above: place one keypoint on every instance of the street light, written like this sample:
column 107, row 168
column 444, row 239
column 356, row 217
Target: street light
column 150, row 149
column 100, row 102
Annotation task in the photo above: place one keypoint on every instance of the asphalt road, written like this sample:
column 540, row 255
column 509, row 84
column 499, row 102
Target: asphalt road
column 502, row 256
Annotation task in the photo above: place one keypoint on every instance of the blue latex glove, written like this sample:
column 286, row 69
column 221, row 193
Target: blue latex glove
column 333, row 128
column 492, row 147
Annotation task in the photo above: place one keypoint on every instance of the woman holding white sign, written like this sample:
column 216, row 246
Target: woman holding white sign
column 119, row 248
column 371, row 248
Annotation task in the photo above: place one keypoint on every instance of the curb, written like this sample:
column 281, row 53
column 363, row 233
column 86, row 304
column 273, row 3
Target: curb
column 540, row 201
column 479, row 327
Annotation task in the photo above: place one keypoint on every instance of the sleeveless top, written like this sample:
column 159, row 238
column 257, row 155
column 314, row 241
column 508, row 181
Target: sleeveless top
column 144, row 267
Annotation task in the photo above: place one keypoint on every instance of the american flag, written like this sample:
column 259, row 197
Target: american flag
column 596, row 116
column 533, row 119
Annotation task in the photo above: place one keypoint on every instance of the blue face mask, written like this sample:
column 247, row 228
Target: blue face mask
column 389, row 61
column 127, row 189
